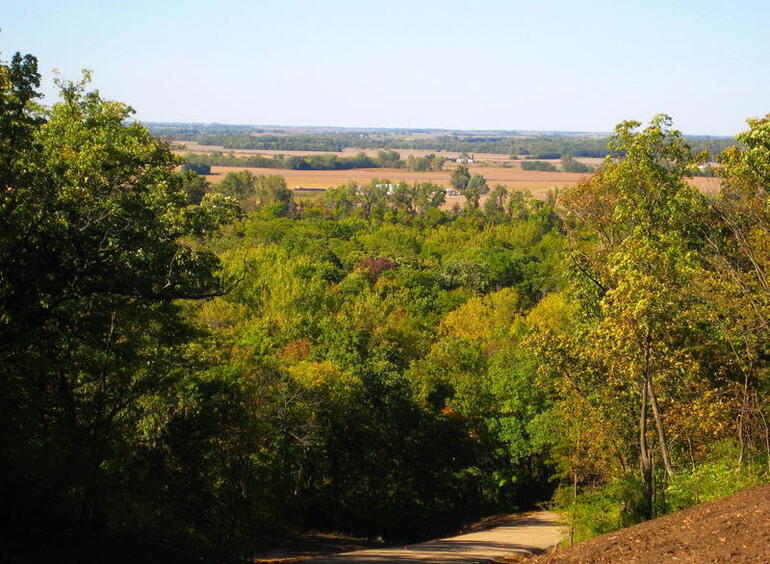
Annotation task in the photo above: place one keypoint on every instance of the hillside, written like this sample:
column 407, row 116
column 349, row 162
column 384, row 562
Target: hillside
column 732, row 529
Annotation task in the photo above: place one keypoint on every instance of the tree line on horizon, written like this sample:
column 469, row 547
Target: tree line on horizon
column 540, row 146
column 202, row 162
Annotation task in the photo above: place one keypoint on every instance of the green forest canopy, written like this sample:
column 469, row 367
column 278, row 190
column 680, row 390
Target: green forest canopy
column 219, row 372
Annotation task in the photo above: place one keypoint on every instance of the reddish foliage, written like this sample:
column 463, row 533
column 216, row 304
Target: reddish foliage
column 296, row 350
column 374, row 267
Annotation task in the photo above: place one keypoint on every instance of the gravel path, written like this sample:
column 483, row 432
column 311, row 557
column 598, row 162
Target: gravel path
column 532, row 534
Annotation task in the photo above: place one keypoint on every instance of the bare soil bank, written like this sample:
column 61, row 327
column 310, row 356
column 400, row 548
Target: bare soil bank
column 732, row 529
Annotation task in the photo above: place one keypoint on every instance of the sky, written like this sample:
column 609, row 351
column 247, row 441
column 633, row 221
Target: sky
column 485, row 64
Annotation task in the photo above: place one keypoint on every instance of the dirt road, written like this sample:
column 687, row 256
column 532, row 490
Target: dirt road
column 532, row 534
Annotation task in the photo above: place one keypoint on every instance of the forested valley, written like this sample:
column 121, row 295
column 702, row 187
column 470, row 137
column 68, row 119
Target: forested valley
column 216, row 368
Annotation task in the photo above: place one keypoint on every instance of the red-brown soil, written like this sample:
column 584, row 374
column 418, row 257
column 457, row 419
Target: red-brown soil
column 731, row 529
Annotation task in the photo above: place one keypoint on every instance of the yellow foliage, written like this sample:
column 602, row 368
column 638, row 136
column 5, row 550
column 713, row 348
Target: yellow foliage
column 482, row 318
column 324, row 374
column 313, row 374
column 552, row 313
column 219, row 314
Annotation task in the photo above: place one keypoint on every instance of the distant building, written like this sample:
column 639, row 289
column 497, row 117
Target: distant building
column 464, row 158
column 390, row 187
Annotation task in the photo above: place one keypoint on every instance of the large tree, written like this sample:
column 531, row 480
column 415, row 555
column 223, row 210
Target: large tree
column 95, row 252
column 632, row 271
column 738, row 240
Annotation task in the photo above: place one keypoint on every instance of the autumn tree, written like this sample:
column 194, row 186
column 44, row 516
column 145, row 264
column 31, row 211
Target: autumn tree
column 633, row 265
column 737, row 235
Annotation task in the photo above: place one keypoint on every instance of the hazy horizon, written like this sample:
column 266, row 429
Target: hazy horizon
column 495, row 66
column 375, row 128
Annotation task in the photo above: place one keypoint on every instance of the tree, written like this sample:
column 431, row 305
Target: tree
column 19, row 113
column 460, row 178
column 428, row 162
column 428, row 196
column 635, row 279
column 241, row 185
column 389, row 159
column 403, row 197
column 372, row 197
column 478, row 182
column 538, row 165
column 472, row 196
column 737, row 235
column 417, row 164
column 198, row 168
column 520, row 203
column 494, row 206
column 742, row 209
column 95, row 251
column 476, row 186
column 194, row 186
column 272, row 192
column 340, row 199
column 570, row 164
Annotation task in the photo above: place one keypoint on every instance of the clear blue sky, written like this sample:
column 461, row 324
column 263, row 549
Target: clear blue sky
column 552, row 65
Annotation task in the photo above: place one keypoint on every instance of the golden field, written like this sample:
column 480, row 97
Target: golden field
column 487, row 164
column 537, row 182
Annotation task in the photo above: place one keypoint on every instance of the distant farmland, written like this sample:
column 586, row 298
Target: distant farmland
column 536, row 182
column 487, row 164
column 193, row 147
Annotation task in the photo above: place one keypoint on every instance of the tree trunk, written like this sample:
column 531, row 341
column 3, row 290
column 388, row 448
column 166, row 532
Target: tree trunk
column 743, row 416
column 645, row 460
column 661, row 432
column 767, row 432
column 574, row 508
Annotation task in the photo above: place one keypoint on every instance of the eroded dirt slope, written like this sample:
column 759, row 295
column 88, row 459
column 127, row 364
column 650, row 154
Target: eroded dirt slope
column 731, row 529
